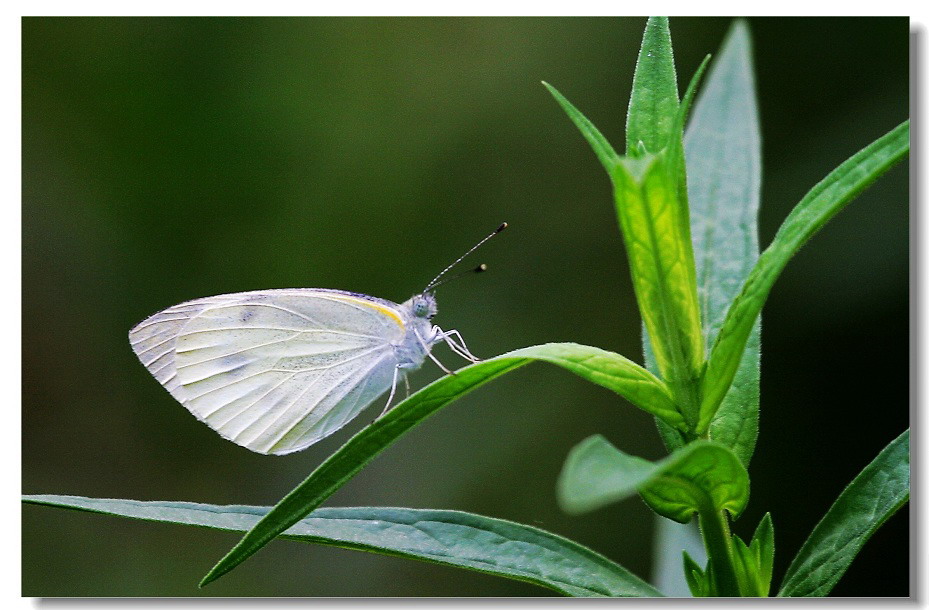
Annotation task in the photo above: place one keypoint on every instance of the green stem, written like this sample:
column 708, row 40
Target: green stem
column 687, row 395
column 718, row 543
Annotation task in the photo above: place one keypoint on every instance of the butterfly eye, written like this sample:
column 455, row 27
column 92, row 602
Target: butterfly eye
column 421, row 309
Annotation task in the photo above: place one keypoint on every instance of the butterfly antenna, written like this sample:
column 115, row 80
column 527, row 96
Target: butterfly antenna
column 435, row 282
column 479, row 269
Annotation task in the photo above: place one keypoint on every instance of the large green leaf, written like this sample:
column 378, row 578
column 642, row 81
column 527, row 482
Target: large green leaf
column 823, row 202
column 654, row 102
column 653, row 222
column 876, row 493
column 723, row 150
column 702, row 477
column 608, row 369
column 454, row 538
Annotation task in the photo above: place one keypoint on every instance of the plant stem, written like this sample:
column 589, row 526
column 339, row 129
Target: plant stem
column 718, row 543
column 687, row 394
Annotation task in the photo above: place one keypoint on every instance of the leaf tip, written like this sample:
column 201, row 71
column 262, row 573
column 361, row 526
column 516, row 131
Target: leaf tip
column 215, row 572
column 658, row 21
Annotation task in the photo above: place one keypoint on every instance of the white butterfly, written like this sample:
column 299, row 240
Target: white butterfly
column 277, row 370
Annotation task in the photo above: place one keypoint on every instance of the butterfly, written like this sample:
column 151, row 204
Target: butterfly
column 277, row 370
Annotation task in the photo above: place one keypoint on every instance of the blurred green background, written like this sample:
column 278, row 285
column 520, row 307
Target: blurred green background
column 173, row 158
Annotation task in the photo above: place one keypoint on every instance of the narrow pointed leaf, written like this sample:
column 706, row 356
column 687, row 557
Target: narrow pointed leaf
column 723, row 148
column 453, row 538
column 823, row 202
column 763, row 542
column 743, row 564
column 597, row 141
column 701, row 476
column 753, row 562
column 673, row 439
column 675, row 154
column 868, row 501
column 696, row 577
column 604, row 368
column 654, row 102
column 683, row 110
column 675, row 146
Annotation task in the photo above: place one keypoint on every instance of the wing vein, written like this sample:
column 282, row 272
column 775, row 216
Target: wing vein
column 260, row 304
column 309, row 411
column 244, row 349
column 293, row 330
column 273, row 370
column 253, row 403
column 150, row 322
column 148, row 349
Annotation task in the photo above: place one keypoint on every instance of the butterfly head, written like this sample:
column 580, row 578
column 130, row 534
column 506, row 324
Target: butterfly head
column 423, row 306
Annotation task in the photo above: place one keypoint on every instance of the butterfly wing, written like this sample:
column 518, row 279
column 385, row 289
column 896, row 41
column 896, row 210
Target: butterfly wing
column 274, row 370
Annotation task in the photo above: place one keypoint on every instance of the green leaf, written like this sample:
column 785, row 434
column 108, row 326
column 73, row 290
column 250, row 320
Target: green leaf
column 453, row 538
column 672, row 438
column 723, row 149
column 876, row 493
column 823, row 202
column 663, row 276
column 604, row 368
column 672, row 538
column 697, row 580
column 651, row 203
column 753, row 563
column 675, row 153
column 600, row 145
column 653, row 104
column 763, row 546
column 703, row 476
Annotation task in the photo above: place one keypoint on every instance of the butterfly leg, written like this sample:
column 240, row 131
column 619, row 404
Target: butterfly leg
column 457, row 349
column 459, row 346
column 429, row 353
column 441, row 366
column 393, row 389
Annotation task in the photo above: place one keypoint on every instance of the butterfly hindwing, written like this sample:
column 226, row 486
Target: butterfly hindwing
column 273, row 370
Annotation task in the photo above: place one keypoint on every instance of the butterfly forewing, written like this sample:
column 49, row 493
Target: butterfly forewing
column 274, row 370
